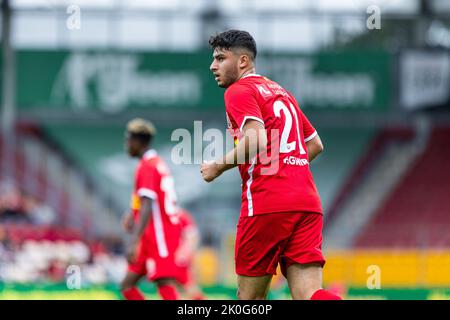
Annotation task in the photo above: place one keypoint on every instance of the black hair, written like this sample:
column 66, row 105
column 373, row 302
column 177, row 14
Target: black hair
column 234, row 39
column 143, row 138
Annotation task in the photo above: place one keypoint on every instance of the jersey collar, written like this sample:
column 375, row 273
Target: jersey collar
column 151, row 153
column 251, row 75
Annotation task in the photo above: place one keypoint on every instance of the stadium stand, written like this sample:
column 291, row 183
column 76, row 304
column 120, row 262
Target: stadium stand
column 36, row 173
column 332, row 169
column 366, row 159
column 416, row 213
column 43, row 253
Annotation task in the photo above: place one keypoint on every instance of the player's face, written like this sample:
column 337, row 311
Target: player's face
column 225, row 67
column 132, row 146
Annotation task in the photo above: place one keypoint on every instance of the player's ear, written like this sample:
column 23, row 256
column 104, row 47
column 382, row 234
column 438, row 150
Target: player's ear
column 244, row 61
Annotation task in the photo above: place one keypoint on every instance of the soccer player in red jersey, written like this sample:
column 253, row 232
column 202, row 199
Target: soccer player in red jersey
column 153, row 221
column 184, row 255
column 281, row 212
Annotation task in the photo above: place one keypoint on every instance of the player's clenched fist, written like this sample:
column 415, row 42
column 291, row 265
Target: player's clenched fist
column 209, row 171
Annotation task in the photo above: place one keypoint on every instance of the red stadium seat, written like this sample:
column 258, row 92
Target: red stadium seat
column 417, row 213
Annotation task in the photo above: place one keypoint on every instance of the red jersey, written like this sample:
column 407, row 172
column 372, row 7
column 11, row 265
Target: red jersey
column 285, row 184
column 153, row 180
column 186, row 221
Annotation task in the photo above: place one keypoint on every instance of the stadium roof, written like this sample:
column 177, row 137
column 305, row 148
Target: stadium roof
column 356, row 6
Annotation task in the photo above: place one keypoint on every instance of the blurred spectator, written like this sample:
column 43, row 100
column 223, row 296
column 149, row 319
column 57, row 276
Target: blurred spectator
column 17, row 207
column 34, row 248
column 11, row 203
column 39, row 212
column 56, row 270
column 36, row 258
column 4, row 241
column 5, row 246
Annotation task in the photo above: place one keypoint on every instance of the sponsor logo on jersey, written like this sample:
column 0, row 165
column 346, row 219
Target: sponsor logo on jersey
column 291, row 160
column 264, row 91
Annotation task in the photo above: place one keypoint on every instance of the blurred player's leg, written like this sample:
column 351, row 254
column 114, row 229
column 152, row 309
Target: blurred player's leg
column 305, row 282
column 128, row 287
column 193, row 291
column 188, row 285
column 167, row 289
column 184, row 256
column 253, row 288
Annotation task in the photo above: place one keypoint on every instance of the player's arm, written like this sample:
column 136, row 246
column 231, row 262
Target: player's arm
column 145, row 213
column 314, row 147
column 190, row 240
column 128, row 222
column 254, row 140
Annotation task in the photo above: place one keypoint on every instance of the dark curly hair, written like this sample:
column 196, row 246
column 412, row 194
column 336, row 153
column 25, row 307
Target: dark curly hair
column 234, row 39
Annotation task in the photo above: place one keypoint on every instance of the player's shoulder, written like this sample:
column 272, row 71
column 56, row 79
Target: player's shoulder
column 150, row 161
column 246, row 85
column 160, row 165
column 261, row 85
column 147, row 162
column 237, row 89
column 143, row 168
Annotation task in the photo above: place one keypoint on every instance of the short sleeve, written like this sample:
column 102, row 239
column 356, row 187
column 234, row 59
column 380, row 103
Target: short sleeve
column 309, row 132
column 146, row 184
column 241, row 105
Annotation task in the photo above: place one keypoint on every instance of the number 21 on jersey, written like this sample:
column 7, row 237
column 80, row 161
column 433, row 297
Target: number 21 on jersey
column 289, row 112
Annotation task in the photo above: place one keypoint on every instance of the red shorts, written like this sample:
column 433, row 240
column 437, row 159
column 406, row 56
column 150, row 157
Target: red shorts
column 263, row 241
column 184, row 276
column 154, row 259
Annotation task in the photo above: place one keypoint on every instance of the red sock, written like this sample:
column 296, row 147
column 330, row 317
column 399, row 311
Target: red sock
column 198, row 296
column 322, row 294
column 168, row 292
column 133, row 294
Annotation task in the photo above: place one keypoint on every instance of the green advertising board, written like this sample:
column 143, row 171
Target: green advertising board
column 352, row 80
column 113, row 82
column 59, row 291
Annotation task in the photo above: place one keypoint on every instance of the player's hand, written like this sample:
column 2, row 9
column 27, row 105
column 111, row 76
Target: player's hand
column 132, row 252
column 182, row 257
column 128, row 222
column 210, row 170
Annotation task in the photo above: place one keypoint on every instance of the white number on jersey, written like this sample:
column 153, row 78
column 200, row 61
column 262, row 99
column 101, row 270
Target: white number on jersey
column 170, row 201
column 285, row 146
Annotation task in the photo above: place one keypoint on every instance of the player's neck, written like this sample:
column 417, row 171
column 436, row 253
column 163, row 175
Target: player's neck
column 143, row 152
column 247, row 72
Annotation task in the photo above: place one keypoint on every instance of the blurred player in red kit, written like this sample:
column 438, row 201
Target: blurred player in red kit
column 153, row 221
column 189, row 242
column 281, row 212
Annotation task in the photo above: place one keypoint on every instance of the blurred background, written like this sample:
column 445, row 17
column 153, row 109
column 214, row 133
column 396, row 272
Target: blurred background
column 372, row 76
